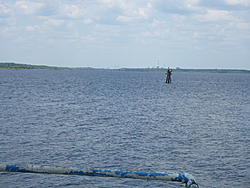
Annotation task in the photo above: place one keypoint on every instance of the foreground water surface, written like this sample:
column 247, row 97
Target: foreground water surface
column 125, row 120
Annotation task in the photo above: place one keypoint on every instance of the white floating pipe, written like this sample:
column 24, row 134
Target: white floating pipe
column 186, row 178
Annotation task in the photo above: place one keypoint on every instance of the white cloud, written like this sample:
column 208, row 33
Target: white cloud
column 144, row 12
column 32, row 28
column 124, row 18
column 181, row 7
column 128, row 10
column 244, row 26
column 88, row 37
column 132, row 13
column 4, row 11
column 73, row 11
column 237, row 2
column 159, row 33
column 6, row 32
column 124, row 5
column 157, row 22
column 27, row 7
column 53, row 22
column 71, row 24
column 19, row 40
column 217, row 15
column 87, row 21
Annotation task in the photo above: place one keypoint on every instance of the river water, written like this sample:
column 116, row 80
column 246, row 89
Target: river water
column 127, row 120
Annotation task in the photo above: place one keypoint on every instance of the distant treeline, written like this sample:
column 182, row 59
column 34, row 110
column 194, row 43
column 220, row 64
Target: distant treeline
column 43, row 67
column 213, row 71
column 25, row 66
column 190, row 70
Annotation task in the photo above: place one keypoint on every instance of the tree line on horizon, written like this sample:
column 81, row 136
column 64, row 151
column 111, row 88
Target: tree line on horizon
column 44, row 67
column 26, row 66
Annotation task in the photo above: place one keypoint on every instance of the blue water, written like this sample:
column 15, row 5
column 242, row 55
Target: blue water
column 126, row 120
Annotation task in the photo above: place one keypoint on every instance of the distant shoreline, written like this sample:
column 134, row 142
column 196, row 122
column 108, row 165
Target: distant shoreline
column 17, row 66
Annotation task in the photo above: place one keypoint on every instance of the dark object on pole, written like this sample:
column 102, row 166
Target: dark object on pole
column 169, row 73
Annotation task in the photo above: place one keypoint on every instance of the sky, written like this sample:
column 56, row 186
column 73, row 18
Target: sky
column 195, row 34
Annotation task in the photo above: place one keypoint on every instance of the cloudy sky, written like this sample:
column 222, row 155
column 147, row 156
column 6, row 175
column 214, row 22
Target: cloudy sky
column 126, row 33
